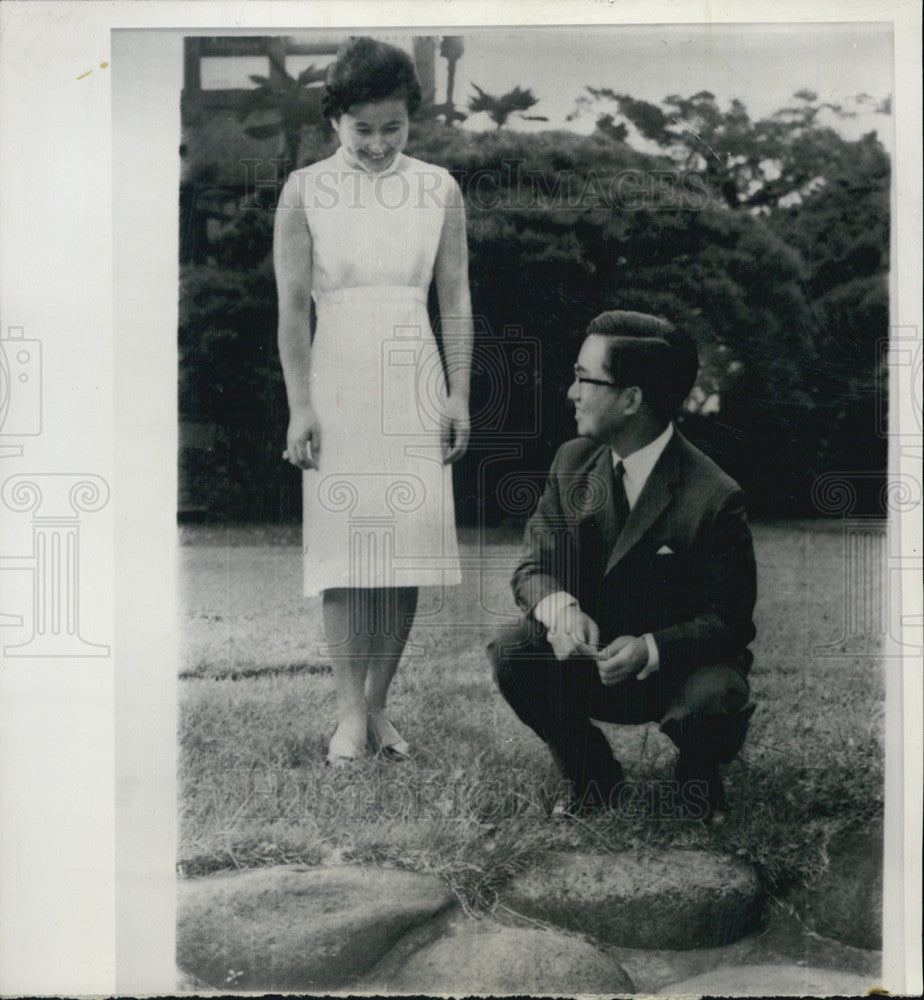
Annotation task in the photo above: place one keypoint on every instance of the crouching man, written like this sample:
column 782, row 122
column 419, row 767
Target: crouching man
column 637, row 579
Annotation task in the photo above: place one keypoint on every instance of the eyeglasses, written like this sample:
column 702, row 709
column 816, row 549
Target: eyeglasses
column 584, row 380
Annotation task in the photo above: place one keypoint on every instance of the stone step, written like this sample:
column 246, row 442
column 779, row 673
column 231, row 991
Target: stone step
column 650, row 922
column 293, row 927
column 846, row 902
column 782, row 940
column 484, row 957
column 665, row 899
column 773, row 981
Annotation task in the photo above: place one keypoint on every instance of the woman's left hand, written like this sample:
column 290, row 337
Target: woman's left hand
column 454, row 429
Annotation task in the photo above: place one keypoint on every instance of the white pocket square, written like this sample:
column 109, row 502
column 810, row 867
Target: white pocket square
column 665, row 550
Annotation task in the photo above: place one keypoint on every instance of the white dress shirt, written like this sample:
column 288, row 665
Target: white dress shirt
column 637, row 468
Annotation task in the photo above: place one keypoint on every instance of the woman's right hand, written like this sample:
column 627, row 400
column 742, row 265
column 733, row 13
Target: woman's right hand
column 303, row 439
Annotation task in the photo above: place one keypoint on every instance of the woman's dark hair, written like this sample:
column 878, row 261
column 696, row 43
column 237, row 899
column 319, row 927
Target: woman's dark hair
column 368, row 70
column 650, row 352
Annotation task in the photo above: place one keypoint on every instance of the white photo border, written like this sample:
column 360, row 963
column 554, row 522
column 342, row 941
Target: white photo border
column 88, row 747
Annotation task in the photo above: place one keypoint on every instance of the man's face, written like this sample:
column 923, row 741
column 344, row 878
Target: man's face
column 597, row 408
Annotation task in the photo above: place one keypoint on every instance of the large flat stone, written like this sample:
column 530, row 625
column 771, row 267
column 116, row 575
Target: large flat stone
column 670, row 899
column 480, row 956
column 773, row 981
column 782, row 939
column 846, row 902
column 298, row 928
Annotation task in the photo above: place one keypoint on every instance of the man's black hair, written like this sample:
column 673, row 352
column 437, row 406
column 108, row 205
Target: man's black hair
column 650, row 352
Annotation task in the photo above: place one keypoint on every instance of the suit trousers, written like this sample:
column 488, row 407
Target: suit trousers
column 703, row 712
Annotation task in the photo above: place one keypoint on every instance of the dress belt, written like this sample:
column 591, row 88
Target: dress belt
column 371, row 293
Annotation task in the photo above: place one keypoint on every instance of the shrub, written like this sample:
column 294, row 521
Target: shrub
column 561, row 227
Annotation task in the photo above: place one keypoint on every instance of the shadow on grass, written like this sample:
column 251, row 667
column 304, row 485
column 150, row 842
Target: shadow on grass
column 204, row 670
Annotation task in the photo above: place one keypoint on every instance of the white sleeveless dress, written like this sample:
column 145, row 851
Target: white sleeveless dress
column 379, row 510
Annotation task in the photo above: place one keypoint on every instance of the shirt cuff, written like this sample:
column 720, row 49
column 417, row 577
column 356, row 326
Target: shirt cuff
column 654, row 659
column 546, row 612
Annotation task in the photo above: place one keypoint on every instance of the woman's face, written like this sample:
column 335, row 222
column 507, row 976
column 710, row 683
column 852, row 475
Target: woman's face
column 373, row 134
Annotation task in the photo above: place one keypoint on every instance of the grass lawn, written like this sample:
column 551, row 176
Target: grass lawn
column 257, row 709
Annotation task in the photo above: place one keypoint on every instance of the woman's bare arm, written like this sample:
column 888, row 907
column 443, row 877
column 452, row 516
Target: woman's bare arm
column 451, row 272
column 292, row 263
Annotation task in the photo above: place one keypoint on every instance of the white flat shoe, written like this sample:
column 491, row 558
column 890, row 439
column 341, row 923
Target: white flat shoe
column 385, row 739
column 342, row 751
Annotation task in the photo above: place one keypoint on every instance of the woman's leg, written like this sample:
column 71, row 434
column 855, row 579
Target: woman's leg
column 366, row 632
column 348, row 619
column 394, row 616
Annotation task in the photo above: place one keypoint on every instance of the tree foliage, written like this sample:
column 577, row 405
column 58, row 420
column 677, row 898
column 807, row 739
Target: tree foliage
column 499, row 109
column 292, row 103
column 783, row 285
column 755, row 164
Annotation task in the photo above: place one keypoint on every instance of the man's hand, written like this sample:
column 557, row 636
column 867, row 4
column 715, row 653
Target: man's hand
column 573, row 634
column 624, row 657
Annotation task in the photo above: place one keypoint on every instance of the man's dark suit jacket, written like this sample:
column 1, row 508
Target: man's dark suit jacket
column 682, row 568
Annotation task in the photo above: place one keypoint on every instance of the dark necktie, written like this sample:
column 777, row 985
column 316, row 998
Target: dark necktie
column 620, row 500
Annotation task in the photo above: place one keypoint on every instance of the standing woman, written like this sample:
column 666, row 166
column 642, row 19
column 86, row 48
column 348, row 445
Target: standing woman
column 372, row 420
